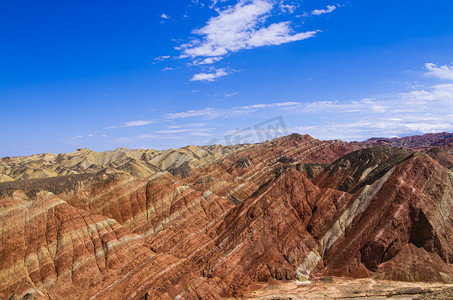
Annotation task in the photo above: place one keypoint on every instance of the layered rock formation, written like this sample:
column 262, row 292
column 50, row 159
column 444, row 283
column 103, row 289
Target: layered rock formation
column 141, row 163
column 400, row 220
column 416, row 141
column 211, row 221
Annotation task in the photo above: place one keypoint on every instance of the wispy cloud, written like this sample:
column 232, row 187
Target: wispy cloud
column 191, row 131
column 197, row 2
column 287, row 8
column 209, row 113
column 213, row 113
column 144, row 136
column 164, row 17
column 191, row 125
column 167, row 134
column 206, row 61
column 437, row 98
column 162, row 58
column 421, row 110
column 329, row 9
column 244, row 25
column 383, row 126
column 270, row 105
column 442, row 72
column 132, row 124
column 210, row 76
column 241, row 26
column 215, row 2
column 355, row 106
column 424, row 110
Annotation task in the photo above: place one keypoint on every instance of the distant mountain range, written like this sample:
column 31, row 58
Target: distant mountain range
column 415, row 141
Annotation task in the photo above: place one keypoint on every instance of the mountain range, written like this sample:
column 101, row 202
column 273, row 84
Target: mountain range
column 211, row 222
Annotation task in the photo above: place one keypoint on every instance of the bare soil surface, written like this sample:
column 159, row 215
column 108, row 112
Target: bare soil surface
column 343, row 288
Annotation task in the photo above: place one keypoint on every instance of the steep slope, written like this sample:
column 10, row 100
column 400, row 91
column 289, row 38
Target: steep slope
column 443, row 156
column 266, row 236
column 238, row 175
column 211, row 227
column 170, row 216
column 409, row 206
column 359, row 168
column 73, row 253
column 48, row 246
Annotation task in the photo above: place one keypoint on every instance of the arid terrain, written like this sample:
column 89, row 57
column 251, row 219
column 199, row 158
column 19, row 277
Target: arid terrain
column 290, row 218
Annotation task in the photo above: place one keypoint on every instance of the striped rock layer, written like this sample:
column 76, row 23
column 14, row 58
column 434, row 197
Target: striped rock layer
column 286, row 209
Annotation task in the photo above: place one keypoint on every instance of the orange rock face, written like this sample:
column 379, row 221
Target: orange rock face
column 286, row 209
column 49, row 247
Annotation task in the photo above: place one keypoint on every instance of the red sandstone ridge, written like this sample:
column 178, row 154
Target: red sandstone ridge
column 225, row 219
column 407, row 208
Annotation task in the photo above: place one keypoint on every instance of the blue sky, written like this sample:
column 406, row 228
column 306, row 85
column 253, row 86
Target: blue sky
column 160, row 74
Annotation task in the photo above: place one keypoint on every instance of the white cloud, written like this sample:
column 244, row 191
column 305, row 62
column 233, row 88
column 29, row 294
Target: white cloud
column 191, row 125
column 210, row 76
column 167, row 69
column 145, row 136
column 442, row 72
column 214, row 4
column 206, row 61
column 426, row 110
column 276, row 34
column 287, row 8
column 244, row 25
column 132, row 124
column 162, row 58
column 138, row 123
column 364, row 105
column 270, row 105
column 192, row 131
column 317, row 12
column 440, row 93
column 241, row 27
column 168, row 134
column 382, row 126
column 197, row 2
column 421, row 110
column 209, row 113
column 437, row 98
column 213, row 113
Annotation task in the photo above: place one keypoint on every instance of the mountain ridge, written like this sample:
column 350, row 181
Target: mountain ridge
column 293, row 208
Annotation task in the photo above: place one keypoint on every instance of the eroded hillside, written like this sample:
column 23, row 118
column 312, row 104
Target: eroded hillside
column 212, row 221
column 140, row 163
